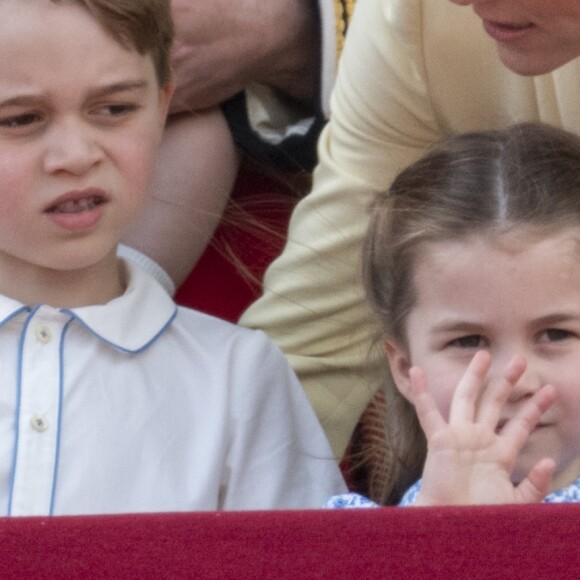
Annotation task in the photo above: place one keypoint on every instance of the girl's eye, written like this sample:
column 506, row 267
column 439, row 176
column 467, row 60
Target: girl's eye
column 556, row 334
column 471, row 341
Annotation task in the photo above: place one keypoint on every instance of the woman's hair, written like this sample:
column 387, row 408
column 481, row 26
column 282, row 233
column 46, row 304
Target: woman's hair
column 486, row 182
column 143, row 25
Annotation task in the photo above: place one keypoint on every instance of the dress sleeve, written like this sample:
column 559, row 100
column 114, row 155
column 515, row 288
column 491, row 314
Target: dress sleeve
column 313, row 304
column 348, row 501
column 410, row 496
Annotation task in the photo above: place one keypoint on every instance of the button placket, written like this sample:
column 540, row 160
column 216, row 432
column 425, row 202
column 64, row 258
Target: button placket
column 39, row 404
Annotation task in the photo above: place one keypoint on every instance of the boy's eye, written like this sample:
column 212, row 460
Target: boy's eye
column 116, row 109
column 470, row 341
column 19, row 121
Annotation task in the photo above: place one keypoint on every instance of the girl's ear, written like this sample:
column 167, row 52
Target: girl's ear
column 399, row 365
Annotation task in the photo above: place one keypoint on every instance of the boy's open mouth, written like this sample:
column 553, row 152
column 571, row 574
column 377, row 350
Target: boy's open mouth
column 77, row 205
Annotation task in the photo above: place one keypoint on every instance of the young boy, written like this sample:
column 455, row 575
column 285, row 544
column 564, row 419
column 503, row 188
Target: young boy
column 112, row 399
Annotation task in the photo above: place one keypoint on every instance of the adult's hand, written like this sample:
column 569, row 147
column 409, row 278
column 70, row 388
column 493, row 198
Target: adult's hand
column 224, row 45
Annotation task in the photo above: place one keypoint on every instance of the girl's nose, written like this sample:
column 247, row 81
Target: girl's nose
column 71, row 148
column 462, row 2
column 528, row 384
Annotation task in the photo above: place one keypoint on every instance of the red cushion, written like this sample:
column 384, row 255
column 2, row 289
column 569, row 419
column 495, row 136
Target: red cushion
column 536, row 541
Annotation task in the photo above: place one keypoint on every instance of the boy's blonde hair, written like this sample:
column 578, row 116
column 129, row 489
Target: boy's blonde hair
column 144, row 25
column 526, row 176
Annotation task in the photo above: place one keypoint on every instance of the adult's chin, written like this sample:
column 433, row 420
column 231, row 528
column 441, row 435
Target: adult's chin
column 533, row 63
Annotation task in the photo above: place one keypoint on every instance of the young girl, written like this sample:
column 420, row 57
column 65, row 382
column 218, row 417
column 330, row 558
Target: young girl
column 472, row 263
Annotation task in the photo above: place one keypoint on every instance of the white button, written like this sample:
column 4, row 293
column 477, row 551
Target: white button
column 43, row 334
column 39, row 423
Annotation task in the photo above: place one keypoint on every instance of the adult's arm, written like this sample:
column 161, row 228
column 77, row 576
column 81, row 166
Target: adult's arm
column 273, row 126
column 313, row 304
column 222, row 46
column 270, row 64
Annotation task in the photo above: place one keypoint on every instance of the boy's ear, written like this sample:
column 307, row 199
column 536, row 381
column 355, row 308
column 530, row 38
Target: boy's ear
column 165, row 94
column 399, row 365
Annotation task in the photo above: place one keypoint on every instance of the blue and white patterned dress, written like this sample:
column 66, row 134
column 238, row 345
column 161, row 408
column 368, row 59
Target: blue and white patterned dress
column 568, row 494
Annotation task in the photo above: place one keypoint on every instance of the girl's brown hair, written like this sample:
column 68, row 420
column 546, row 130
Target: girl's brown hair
column 485, row 182
column 144, row 25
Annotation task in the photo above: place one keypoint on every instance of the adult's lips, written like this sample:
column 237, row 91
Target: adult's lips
column 506, row 31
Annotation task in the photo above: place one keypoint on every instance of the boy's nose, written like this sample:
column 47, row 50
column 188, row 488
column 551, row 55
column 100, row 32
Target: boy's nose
column 462, row 2
column 71, row 149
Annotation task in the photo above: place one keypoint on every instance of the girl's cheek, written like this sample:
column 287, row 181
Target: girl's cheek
column 442, row 387
column 445, row 380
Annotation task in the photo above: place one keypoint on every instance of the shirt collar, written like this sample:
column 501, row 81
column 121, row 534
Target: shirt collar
column 130, row 323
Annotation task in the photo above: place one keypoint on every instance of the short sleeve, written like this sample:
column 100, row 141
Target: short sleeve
column 278, row 456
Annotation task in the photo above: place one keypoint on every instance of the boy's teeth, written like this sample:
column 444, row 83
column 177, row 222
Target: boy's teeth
column 77, row 206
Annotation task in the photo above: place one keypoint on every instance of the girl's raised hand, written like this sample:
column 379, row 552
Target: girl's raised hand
column 468, row 460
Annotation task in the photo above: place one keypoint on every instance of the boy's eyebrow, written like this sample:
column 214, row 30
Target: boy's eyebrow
column 28, row 99
column 19, row 100
column 119, row 88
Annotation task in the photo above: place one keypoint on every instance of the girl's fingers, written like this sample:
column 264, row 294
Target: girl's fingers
column 429, row 416
column 495, row 395
column 536, row 486
column 515, row 369
column 463, row 404
column 517, row 430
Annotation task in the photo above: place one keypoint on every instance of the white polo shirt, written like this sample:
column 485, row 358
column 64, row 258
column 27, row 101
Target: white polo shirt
column 140, row 406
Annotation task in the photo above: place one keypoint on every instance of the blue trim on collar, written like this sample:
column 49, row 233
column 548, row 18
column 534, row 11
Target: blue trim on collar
column 117, row 345
column 132, row 322
column 11, row 315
